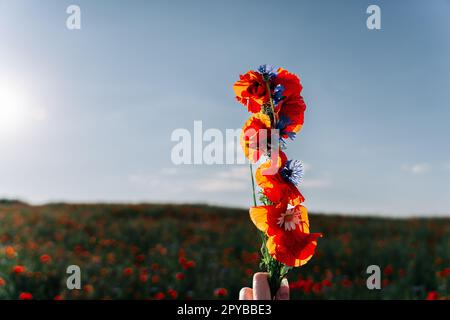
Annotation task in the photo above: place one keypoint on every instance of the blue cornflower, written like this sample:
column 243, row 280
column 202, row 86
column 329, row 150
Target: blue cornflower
column 267, row 71
column 293, row 172
column 282, row 124
column 278, row 94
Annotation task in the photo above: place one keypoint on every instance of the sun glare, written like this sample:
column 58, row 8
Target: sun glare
column 13, row 110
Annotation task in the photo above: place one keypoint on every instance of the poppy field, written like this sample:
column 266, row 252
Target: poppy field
column 203, row 252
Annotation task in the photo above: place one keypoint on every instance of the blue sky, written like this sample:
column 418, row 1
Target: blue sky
column 99, row 104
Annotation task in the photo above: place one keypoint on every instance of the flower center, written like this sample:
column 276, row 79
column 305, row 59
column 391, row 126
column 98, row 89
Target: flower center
column 289, row 219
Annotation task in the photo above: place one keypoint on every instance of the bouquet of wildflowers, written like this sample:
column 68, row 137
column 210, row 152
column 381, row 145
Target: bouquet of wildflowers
column 273, row 96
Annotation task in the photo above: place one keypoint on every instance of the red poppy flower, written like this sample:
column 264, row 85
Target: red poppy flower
column 10, row 252
column 255, row 136
column 251, row 91
column 274, row 186
column 221, row 292
column 388, row 270
column 326, row 283
column 143, row 277
column 289, row 81
column 172, row 293
column 346, row 283
column 189, row 264
column 25, row 296
column 179, row 276
column 155, row 278
column 444, row 273
column 155, row 266
column 432, row 295
column 45, row 258
column 159, row 296
column 317, row 288
column 88, row 288
column 127, row 272
column 288, row 230
column 18, row 269
column 291, row 116
column 140, row 258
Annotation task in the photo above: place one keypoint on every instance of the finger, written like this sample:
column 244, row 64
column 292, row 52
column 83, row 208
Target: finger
column 283, row 292
column 246, row 294
column 261, row 290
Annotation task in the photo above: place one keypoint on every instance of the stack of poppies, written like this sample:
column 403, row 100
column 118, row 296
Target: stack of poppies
column 273, row 96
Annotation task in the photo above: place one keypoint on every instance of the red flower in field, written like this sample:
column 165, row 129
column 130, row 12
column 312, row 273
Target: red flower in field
column 18, row 269
column 346, row 283
column 155, row 278
column 256, row 136
column 305, row 285
column 220, row 292
column 10, row 252
column 432, row 295
column 159, row 296
column 179, row 276
column 172, row 293
column 78, row 249
column 25, row 296
column 388, row 270
column 277, row 180
column 161, row 249
column 182, row 260
column 127, row 272
column 250, row 257
column 45, row 258
column 2, row 282
column 317, row 288
column 444, row 273
column 144, row 271
column 189, row 264
column 140, row 258
column 88, row 288
column 57, row 297
column 155, row 266
column 326, row 283
column 143, row 277
column 251, row 91
column 290, row 241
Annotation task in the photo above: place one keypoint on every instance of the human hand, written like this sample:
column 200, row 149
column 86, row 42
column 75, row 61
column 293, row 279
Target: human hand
column 261, row 289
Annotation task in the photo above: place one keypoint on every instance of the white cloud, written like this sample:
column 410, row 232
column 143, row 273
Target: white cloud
column 418, row 168
column 240, row 173
column 232, row 179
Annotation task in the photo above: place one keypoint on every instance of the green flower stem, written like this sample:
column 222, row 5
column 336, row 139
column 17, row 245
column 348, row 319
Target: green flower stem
column 272, row 106
column 276, row 270
column 253, row 185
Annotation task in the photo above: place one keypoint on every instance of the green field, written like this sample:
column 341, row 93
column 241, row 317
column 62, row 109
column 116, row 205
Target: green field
column 193, row 251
